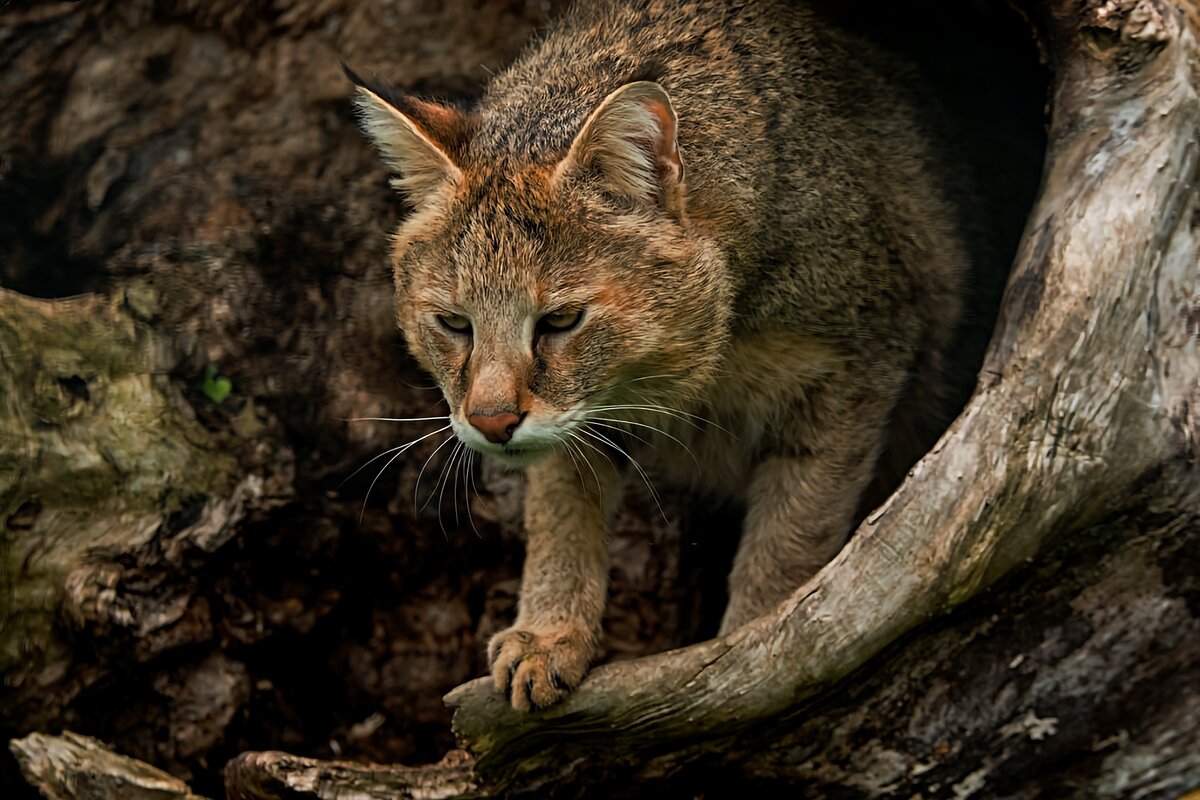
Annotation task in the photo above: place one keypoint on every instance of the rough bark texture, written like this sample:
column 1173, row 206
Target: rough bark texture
column 74, row 767
column 184, row 578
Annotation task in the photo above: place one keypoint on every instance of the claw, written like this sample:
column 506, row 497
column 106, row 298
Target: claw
column 536, row 670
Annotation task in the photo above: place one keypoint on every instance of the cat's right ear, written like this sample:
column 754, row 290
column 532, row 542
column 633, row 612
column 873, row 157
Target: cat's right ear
column 415, row 138
column 629, row 143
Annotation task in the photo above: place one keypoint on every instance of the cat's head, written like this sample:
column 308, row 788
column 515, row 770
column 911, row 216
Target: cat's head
column 543, row 293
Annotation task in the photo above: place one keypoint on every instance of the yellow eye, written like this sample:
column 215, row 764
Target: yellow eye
column 560, row 321
column 455, row 322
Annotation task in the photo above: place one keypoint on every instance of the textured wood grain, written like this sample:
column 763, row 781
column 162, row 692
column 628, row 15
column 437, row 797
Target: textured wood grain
column 253, row 775
column 74, row 767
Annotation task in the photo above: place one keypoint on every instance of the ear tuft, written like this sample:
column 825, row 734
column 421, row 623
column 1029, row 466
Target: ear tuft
column 629, row 141
column 414, row 137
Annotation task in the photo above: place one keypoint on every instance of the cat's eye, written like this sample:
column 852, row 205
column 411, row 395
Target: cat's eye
column 455, row 322
column 559, row 321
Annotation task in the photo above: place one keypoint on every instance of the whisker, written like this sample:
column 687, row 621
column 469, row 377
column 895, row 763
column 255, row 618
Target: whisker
column 571, row 449
column 437, row 481
column 446, row 469
column 393, row 419
column 574, row 461
column 417, row 485
column 574, row 435
column 653, row 377
column 462, row 458
column 703, row 419
column 367, row 498
column 371, row 461
column 645, row 478
column 602, row 420
column 471, row 479
column 682, row 416
column 401, row 452
column 401, row 447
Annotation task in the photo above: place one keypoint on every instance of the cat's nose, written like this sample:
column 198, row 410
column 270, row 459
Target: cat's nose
column 498, row 428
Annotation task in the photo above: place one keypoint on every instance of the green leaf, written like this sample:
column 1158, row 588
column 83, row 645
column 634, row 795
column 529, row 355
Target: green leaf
column 216, row 386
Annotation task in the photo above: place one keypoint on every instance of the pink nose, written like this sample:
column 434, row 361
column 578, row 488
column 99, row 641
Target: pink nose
column 498, row 428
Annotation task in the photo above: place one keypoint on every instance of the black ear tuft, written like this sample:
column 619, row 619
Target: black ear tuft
column 350, row 73
column 384, row 91
column 418, row 140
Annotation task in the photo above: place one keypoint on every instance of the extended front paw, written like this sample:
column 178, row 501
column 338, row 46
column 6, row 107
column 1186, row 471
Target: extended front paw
column 539, row 666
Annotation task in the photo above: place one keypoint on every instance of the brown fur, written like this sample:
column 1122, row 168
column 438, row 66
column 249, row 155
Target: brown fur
column 739, row 200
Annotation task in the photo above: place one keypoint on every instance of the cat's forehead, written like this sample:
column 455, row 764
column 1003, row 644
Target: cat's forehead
column 508, row 233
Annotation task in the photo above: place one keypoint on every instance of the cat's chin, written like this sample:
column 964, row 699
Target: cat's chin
column 517, row 457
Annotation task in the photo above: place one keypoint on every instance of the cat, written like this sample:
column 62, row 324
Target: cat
column 714, row 226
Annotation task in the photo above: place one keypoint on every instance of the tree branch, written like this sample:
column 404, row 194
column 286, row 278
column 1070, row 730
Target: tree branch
column 272, row 774
column 74, row 767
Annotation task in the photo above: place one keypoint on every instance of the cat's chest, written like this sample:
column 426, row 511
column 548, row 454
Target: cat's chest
column 753, row 407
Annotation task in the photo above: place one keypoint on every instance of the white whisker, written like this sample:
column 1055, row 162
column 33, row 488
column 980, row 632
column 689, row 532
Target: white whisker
column 652, row 377
column 645, row 478
column 575, row 435
column 366, row 498
column 417, row 485
column 445, row 478
column 401, row 447
column 466, row 494
column 682, row 416
column 393, row 419
column 371, row 461
column 647, row 401
column 602, row 420
column 462, row 459
column 571, row 449
column 400, row 451
column 574, row 461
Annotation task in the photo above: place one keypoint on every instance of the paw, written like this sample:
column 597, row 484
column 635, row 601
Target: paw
column 539, row 666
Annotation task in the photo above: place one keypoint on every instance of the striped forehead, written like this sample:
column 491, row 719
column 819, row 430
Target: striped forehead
column 502, row 247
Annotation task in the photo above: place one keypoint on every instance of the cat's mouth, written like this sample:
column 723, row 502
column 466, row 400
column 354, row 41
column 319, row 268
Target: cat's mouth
column 521, row 456
column 512, row 455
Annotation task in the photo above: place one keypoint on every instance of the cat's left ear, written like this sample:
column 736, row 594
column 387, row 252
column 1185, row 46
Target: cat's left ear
column 419, row 140
column 629, row 144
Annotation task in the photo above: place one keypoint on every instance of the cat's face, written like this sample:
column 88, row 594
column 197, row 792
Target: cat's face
column 545, row 296
column 553, row 307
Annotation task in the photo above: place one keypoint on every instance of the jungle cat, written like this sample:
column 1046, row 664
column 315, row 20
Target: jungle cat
column 711, row 225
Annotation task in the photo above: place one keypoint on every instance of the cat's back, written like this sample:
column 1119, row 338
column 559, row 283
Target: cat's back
column 782, row 117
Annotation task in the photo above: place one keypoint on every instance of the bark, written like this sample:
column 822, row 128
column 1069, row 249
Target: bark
column 74, row 767
column 105, row 448
column 1019, row 619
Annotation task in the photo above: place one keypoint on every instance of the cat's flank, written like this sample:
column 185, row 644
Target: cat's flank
column 708, row 225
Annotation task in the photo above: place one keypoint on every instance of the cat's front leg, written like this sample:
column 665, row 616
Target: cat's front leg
column 546, row 653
